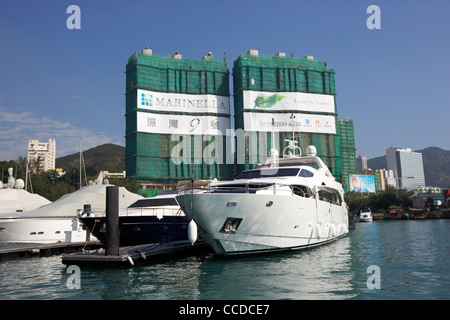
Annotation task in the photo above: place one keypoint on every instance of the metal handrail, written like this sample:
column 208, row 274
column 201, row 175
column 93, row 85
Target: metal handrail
column 139, row 212
column 249, row 186
column 295, row 190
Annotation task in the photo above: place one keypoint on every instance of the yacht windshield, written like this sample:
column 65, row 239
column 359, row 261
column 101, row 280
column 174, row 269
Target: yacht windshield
column 268, row 172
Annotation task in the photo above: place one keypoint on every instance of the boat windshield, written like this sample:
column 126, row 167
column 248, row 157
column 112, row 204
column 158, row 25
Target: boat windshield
column 268, row 172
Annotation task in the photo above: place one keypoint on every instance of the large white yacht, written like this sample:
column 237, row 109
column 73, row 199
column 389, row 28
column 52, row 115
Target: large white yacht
column 13, row 197
column 288, row 203
column 58, row 221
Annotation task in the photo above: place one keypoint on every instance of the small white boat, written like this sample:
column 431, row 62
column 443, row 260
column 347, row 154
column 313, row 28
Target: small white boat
column 365, row 215
column 288, row 203
column 58, row 221
column 13, row 197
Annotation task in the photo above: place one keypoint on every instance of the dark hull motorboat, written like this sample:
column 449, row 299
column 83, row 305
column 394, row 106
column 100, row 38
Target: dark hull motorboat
column 151, row 220
column 141, row 230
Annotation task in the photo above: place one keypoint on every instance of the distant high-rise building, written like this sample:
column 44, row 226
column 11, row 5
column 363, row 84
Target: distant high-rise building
column 361, row 163
column 42, row 154
column 389, row 178
column 407, row 167
column 347, row 148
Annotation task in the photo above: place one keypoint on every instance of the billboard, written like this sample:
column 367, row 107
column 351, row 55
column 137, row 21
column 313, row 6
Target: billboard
column 362, row 183
column 180, row 102
column 182, row 124
column 288, row 101
column 286, row 122
column 289, row 111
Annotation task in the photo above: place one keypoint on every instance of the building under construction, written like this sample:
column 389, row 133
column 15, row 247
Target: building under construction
column 177, row 116
column 279, row 98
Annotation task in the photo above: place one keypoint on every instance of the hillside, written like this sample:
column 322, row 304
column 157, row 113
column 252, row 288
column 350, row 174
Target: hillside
column 436, row 163
column 109, row 157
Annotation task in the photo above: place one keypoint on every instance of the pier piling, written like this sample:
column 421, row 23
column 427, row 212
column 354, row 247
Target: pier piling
column 112, row 221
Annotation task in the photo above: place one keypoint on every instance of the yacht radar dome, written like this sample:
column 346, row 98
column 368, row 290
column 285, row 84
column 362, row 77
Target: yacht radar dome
column 311, row 151
column 273, row 153
column 20, row 184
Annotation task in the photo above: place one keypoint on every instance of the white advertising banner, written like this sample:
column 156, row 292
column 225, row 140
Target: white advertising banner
column 182, row 124
column 288, row 101
column 286, row 122
column 180, row 102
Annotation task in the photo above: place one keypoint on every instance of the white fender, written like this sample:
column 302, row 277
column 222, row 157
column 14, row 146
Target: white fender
column 130, row 260
column 344, row 228
column 340, row 228
column 333, row 230
column 326, row 230
column 318, row 230
column 192, row 232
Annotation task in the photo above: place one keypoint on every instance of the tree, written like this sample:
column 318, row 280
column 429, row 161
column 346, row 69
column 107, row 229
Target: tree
column 380, row 201
column 355, row 201
column 18, row 166
column 36, row 165
column 130, row 184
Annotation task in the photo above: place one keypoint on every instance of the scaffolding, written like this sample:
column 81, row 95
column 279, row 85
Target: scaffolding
column 149, row 156
column 281, row 74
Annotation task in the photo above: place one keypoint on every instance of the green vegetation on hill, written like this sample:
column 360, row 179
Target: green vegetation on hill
column 109, row 157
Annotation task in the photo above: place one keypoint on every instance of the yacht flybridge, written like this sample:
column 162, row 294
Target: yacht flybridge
column 287, row 203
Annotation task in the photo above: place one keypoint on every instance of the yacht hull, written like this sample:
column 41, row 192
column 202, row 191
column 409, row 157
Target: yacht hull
column 241, row 224
column 41, row 230
column 142, row 229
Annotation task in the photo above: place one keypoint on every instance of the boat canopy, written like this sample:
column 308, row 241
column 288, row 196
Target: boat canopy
column 268, row 172
column 155, row 202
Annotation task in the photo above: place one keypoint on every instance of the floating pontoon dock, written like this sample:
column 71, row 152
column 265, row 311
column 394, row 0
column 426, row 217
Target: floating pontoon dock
column 144, row 253
column 44, row 249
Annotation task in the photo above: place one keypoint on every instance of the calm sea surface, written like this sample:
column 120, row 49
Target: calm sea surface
column 409, row 259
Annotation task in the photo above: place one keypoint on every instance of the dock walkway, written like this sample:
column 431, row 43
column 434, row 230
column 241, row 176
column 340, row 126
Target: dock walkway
column 44, row 249
column 132, row 255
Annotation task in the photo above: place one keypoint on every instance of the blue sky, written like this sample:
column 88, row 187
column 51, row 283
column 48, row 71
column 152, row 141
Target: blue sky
column 69, row 84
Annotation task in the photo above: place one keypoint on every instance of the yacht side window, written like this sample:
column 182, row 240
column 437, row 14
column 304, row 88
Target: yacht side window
column 302, row 191
column 306, row 173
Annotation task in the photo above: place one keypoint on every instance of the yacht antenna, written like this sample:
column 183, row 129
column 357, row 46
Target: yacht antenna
column 82, row 165
column 292, row 118
column 273, row 151
column 273, row 133
column 28, row 176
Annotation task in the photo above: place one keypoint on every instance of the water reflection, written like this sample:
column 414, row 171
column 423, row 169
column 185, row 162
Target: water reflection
column 33, row 278
column 176, row 279
column 321, row 273
column 413, row 258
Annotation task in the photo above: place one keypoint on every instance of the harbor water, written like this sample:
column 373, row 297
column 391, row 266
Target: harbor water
column 380, row 260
